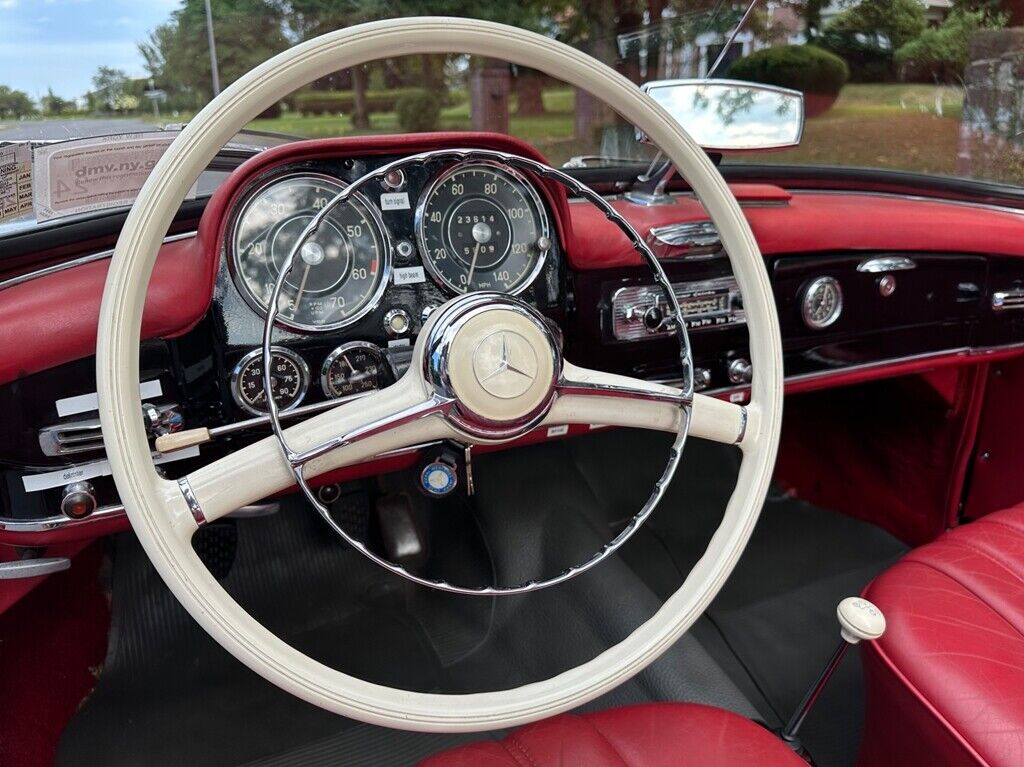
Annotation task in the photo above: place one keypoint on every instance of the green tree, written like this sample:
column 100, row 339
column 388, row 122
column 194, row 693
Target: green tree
column 891, row 23
column 14, row 103
column 52, row 104
column 109, row 88
column 942, row 52
column 177, row 55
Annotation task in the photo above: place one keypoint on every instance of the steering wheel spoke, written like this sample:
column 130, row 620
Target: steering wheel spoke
column 588, row 396
column 398, row 417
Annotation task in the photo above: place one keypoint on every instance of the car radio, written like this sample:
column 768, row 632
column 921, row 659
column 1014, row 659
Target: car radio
column 642, row 311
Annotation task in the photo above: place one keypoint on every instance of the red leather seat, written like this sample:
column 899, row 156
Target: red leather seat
column 945, row 685
column 653, row 735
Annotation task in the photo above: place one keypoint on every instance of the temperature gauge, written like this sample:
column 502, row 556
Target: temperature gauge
column 355, row 368
column 289, row 377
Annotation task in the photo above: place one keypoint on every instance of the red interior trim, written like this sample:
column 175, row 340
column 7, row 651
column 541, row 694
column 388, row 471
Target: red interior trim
column 813, row 223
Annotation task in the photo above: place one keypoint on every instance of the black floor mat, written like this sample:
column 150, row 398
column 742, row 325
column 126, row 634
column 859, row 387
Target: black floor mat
column 766, row 637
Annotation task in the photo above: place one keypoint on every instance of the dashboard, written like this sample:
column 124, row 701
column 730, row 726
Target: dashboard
column 866, row 286
column 381, row 260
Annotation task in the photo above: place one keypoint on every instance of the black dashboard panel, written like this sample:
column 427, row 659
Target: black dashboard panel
column 925, row 304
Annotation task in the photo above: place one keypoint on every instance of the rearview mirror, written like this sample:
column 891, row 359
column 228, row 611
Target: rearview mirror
column 732, row 116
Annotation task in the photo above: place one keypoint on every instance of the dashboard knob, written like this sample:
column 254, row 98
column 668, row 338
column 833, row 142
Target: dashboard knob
column 701, row 379
column 397, row 322
column 78, row 500
column 741, row 371
column 654, row 318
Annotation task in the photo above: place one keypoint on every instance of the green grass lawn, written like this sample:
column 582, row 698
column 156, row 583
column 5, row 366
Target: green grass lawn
column 546, row 131
column 906, row 126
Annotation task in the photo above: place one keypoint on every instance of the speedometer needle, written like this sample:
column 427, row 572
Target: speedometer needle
column 472, row 266
column 302, row 286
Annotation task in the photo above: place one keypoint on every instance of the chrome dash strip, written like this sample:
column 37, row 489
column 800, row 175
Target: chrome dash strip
column 80, row 261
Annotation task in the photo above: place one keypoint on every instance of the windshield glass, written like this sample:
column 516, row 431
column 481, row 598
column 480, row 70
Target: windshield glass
column 929, row 86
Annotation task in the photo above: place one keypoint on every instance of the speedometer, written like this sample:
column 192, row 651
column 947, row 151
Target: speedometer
column 482, row 226
column 338, row 274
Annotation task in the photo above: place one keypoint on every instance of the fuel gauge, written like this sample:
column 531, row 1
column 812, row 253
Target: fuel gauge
column 355, row 368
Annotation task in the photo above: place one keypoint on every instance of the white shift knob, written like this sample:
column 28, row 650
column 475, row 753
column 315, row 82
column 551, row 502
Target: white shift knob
column 859, row 619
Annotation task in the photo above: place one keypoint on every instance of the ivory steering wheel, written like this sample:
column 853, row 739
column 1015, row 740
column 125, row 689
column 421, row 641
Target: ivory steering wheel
column 442, row 395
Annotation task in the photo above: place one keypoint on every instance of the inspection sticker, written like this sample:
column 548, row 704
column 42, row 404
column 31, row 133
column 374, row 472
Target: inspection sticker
column 15, row 180
column 84, row 175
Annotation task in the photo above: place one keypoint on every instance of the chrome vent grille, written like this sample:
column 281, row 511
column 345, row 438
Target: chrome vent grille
column 1008, row 300
column 72, row 437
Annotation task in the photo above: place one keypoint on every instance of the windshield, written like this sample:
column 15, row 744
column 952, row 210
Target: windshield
column 930, row 86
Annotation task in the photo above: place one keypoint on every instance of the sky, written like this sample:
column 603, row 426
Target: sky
column 61, row 43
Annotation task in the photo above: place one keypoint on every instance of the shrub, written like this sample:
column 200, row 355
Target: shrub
column 804, row 68
column 418, row 111
column 343, row 102
column 942, row 52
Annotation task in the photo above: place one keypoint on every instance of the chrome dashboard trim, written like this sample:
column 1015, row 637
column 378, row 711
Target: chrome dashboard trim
column 883, row 264
column 49, row 524
column 1008, row 300
column 80, row 261
column 59, row 521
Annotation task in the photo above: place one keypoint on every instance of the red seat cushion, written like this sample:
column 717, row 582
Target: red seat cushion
column 946, row 682
column 653, row 735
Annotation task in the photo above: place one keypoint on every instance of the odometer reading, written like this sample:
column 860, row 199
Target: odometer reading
column 481, row 226
column 289, row 378
column 338, row 274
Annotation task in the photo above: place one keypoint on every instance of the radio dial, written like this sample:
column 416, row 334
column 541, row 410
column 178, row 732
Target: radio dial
column 741, row 371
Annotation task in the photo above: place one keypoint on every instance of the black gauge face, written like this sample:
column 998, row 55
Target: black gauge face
column 822, row 303
column 481, row 226
column 339, row 273
column 289, row 378
column 355, row 368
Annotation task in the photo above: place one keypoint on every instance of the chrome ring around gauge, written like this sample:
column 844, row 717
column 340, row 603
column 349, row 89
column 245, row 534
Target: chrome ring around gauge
column 822, row 303
column 355, row 368
column 290, row 374
column 340, row 274
column 481, row 225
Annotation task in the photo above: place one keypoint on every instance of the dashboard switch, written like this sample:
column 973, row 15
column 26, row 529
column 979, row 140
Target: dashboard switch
column 78, row 500
column 701, row 379
column 397, row 322
column 741, row 371
column 654, row 318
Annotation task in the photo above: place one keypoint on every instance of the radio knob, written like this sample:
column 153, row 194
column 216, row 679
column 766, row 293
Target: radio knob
column 654, row 318
column 741, row 371
column 701, row 379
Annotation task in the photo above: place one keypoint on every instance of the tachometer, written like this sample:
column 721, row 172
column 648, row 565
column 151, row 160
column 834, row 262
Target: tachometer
column 482, row 226
column 340, row 272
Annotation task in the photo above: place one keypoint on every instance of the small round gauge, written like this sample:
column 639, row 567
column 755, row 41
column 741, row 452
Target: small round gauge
column 289, row 376
column 355, row 368
column 339, row 273
column 482, row 226
column 822, row 303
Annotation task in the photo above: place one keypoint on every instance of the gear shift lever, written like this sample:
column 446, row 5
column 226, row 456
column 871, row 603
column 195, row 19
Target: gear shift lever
column 858, row 620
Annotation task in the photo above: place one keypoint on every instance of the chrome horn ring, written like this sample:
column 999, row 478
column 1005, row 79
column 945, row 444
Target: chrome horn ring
column 450, row 396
